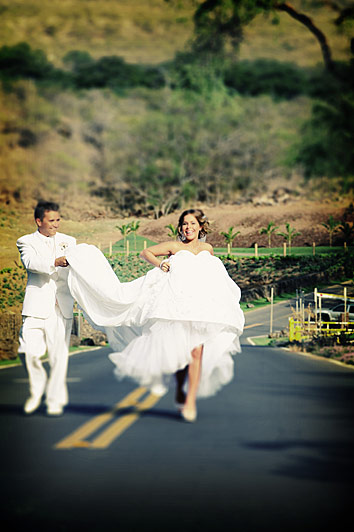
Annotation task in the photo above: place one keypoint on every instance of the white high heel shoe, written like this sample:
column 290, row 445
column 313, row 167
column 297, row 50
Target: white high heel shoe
column 189, row 414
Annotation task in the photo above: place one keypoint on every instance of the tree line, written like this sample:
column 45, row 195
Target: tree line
column 325, row 145
column 186, row 71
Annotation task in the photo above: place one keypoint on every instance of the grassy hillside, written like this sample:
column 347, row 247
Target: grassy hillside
column 67, row 142
column 151, row 31
column 281, row 37
column 105, row 152
column 75, row 144
column 142, row 31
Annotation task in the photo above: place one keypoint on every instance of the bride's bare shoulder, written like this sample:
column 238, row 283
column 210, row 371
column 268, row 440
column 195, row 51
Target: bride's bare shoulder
column 208, row 247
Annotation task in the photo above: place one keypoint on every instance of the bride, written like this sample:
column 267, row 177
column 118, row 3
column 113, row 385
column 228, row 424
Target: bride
column 184, row 313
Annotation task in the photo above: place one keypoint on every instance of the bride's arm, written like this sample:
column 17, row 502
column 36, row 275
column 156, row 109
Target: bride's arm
column 152, row 253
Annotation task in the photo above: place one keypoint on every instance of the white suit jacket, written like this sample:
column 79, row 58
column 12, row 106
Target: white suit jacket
column 46, row 284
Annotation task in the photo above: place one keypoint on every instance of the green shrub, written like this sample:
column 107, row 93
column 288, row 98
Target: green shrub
column 21, row 61
column 111, row 71
column 285, row 80
column 326, row 146
column 128, row 268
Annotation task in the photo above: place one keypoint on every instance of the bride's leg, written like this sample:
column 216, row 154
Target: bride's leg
column 194, row 370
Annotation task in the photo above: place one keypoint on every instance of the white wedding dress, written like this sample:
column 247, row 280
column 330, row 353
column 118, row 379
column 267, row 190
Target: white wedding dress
column 153, row 322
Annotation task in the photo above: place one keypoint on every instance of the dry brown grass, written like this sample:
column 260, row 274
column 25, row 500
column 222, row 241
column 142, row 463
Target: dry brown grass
column 99, row 231
column 303, row 214
column 151, row 31
column 291, row 41
column 139, row 30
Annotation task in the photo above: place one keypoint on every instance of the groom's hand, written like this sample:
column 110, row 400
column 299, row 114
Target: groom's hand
column 61, row 261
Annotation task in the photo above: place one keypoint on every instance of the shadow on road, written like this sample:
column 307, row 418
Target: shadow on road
column 91, row 410
column 330, row 461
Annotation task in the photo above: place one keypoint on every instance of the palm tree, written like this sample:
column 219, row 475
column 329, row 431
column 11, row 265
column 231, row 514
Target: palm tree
column 269, row 230
column 230, row 235
column 125, row 230
column 173, row 231
column 289, row 234
column 134, row 226
column 332, row 226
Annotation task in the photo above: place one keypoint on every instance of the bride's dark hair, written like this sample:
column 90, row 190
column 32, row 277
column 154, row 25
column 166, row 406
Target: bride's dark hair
column 200, row 216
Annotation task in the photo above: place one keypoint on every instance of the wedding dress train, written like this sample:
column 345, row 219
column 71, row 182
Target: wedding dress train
column 153, row 322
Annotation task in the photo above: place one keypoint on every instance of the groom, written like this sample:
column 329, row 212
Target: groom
column 47, row 309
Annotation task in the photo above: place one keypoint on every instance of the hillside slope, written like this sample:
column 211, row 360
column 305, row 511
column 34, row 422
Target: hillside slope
column 151, row 31
column 81, row 147
column 248, row 218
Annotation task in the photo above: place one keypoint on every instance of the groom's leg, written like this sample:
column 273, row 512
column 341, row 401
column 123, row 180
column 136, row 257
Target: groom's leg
column 58, row 331
column 33, row 344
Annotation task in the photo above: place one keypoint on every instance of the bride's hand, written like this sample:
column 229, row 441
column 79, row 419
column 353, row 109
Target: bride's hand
column 164, row 266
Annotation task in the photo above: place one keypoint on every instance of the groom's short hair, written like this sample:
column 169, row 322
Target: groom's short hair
column 43, row 207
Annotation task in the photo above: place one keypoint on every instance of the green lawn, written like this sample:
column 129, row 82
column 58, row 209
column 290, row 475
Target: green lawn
column 303, row 251
column 134, row 245
column 138, row 245
column 261, row 340
column 265, row 341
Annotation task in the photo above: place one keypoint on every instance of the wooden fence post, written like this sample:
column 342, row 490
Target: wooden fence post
column 79, row 324
column 271, row 310
column 110, row 249
column 345, row 305
column 127, row 248
column 314, row 248
column 284, row 249
column 256, row 250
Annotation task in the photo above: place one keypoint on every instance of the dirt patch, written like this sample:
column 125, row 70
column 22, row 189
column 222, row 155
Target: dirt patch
column 306, row 216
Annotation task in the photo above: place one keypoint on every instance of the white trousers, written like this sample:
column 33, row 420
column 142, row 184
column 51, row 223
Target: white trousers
column 52, row 335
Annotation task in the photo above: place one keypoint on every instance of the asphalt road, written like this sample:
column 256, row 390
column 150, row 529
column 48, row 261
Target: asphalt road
column 272, row 451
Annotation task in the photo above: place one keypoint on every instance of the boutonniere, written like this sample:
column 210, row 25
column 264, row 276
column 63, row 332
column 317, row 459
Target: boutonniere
column 63, row 246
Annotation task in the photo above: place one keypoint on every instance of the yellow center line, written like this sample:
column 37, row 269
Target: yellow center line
column 118, row 427
column 77, row 438
column 253, row 325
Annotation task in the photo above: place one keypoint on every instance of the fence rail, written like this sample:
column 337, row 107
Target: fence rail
column 300, row 330
column 136, row 247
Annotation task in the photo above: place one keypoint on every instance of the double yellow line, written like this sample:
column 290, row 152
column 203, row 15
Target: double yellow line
column 79, row 437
